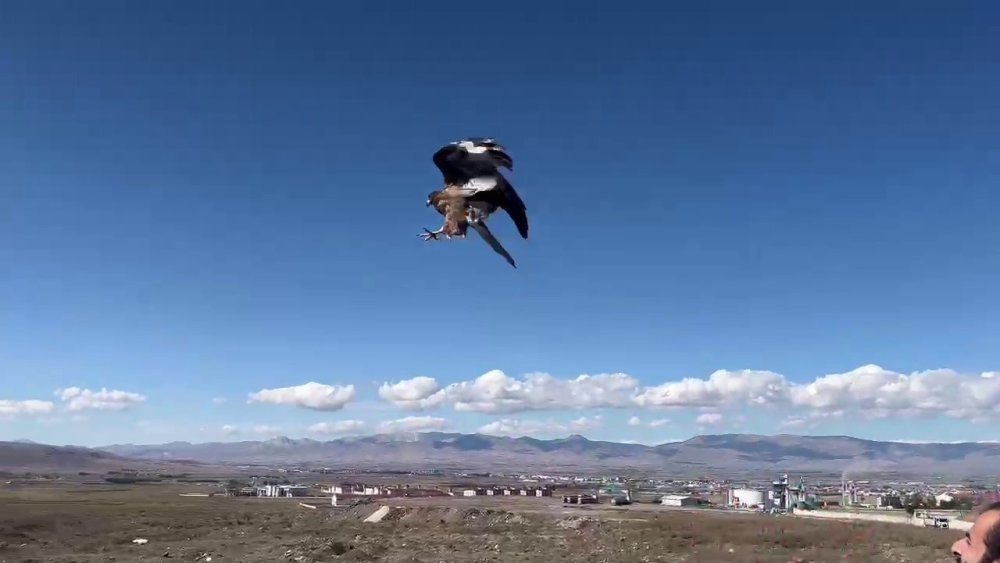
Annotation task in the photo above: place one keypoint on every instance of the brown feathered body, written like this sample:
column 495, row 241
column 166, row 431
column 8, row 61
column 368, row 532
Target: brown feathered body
column 450, row 203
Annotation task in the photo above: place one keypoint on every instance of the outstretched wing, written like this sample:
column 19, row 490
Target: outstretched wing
column 461, row 161
column 501, row 194
column 484, row 232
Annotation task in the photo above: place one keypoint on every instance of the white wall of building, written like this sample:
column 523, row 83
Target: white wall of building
column 746, row 497
column 677, row 500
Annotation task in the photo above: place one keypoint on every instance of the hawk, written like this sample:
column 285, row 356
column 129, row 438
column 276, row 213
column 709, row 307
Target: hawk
column 473, row 189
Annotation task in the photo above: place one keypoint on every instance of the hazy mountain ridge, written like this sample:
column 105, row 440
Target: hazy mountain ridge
column 734, row 452
column 432, row 450
column 25, row 455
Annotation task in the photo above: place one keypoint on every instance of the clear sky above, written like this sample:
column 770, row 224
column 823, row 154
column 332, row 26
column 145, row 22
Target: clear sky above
column 206, row 206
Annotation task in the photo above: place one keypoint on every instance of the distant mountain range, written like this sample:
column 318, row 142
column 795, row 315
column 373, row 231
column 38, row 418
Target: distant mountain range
column 726, row 453
column 25, row 455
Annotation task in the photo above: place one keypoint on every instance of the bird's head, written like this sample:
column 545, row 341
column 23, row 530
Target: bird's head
column 430, row 197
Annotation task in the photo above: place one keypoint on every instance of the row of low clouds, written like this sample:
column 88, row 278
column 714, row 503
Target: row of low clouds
column 869, row 391
column 73, row 399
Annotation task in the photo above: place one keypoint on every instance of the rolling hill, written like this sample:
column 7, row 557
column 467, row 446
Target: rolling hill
column 24, row 455
column 726, row 452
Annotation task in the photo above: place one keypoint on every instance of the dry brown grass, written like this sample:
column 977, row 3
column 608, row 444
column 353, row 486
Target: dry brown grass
column 61, row 525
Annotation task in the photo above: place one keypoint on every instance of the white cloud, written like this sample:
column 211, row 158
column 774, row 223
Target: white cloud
column 810, row 420
column 418, row 393
column 412, row 424
column 868, row 391
column 30, row 407
column 516, row 427
column 875, row 392
column 312, row 395
column 338, row 428
column 267, row 431
column 709, row 419
column 497, row 393
column 230, row 430
column 583, row 423
column 78, row 399
column 528, row 427
column 722, row 388
column 793, row 422
column 218, row 400
column 636, row 421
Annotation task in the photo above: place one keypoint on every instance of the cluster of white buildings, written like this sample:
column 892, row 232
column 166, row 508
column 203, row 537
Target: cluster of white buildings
column 358, row 489
column 542, row 491
column 272, row 491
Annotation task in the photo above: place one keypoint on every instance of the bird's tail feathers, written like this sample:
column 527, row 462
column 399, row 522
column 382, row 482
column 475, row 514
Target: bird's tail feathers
column 484, row 232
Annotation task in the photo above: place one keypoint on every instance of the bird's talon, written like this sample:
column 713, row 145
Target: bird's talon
column 429, row 234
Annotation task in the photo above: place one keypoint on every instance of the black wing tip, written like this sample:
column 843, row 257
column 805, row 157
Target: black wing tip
column 503, row 159
column 522, row 225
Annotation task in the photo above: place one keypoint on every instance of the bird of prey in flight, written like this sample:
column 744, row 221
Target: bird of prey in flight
column 473, row 189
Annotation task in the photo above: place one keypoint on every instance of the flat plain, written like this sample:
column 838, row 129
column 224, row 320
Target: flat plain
column 64, row 522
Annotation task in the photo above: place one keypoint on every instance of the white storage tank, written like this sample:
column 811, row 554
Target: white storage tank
column 746, row 498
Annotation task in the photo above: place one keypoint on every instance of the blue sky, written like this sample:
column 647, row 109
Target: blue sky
column 209, row 201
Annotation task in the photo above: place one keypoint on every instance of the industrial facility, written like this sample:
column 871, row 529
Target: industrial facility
column 781, row 497
column 852, row 496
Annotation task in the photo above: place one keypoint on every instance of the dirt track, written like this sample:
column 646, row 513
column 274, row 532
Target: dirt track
column 62, row 524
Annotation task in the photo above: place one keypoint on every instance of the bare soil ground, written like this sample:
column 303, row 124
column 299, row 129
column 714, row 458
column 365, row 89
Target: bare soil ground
column 80, row 523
